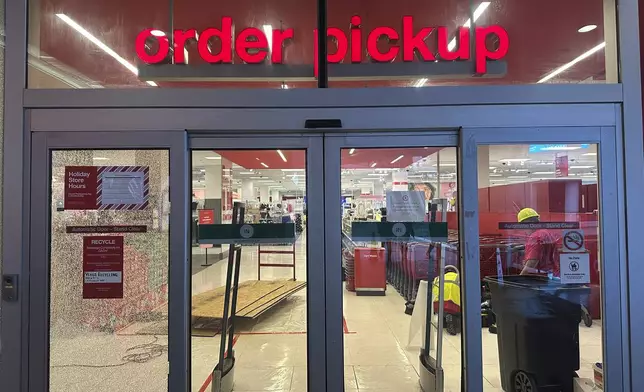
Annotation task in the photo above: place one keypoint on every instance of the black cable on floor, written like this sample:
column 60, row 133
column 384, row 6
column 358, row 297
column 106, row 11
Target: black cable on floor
column 146, row 352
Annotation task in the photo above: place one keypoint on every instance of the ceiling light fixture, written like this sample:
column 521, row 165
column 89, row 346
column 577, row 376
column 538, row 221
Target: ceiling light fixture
column 587, row 28
column 281, row 155
column 284, row 86
column 157, row 33
column 477, row 13
column 590, row 154
column 581, row 167
column 420, row 82
column 268, row 31
column 446, row 164
column 104, row 47
column 397, row 159
column 248, row 172
column 377, row 174
column 212, row 158
column 292, row 170
column 373, row 164
column 263, row 164
column 352, row 151
column 543, row 172
column 101, row 159
column 573, row 62
column 514, row 160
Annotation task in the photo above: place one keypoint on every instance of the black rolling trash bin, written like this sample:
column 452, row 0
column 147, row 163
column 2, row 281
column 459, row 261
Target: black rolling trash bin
column 538, row 332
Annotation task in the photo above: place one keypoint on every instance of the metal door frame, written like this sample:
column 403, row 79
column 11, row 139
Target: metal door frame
column 315, row 298
column 43, row 143
column 614, row 288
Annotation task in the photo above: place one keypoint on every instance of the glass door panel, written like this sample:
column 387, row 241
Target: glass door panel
column 269, row 339
column 108, row 270
column 400, row 265
column 540, row 264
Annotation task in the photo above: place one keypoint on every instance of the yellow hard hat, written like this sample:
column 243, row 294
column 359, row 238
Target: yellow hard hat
column 526, row 213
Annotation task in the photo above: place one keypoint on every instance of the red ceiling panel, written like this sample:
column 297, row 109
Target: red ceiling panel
column 543, row 34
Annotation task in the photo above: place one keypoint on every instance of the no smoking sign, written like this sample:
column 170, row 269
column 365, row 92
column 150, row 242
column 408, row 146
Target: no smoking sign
column 573, row 241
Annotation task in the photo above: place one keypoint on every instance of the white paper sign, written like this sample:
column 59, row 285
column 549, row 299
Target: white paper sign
column 123, row 187
column 574, row 268
column 406, row 206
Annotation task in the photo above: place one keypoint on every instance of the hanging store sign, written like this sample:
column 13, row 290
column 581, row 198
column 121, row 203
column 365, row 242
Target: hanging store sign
column 247, row 234
column 398, row 231
column 102, row 267
column 254, row 46
column 106, row 187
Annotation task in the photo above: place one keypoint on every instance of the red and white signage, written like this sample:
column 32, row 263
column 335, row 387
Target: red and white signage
column 102, row 267
column 561, row 166
column 206, row 217
column 252, row 46
column 107, row 187
column 80, row 187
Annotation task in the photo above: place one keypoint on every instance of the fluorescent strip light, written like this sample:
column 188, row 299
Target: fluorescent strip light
column 255, row 178
column 263, row 164
column 352, row 151
column 212, row 158
column 496, row 175
column 477, row 14
column 378, row 174
column 101, row 159
column 102, row 46
column 151, row 83
column 292, row 170
column 543, row 172
column 446, row 164
column 373, row 164
column 268, row 31
column 397, row 159
column 581, row 167
column 514, row 160
column 573, row 62
column 281, row 155
column 517, row 177
column 248, row 172
column 590, row 154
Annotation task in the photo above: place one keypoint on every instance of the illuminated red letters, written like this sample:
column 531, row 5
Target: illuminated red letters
column 251, row 45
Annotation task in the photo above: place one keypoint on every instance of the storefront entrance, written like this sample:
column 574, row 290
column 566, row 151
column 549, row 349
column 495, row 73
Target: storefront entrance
column 136, row 236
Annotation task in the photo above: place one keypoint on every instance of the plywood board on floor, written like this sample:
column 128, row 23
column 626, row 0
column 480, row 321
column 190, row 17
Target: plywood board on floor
column 253, row 298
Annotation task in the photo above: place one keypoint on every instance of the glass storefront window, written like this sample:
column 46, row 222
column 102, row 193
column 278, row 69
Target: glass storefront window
column 102, row 43
column 272, row 44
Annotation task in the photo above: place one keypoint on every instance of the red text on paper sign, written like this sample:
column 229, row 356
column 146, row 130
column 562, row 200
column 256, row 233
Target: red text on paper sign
column 251, row 45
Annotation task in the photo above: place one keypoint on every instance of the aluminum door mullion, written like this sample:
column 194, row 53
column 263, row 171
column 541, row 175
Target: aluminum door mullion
column 612, row 267
column 333, row 263
column 315, row 267
column 468, row 215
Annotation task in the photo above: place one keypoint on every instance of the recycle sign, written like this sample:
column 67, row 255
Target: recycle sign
column 573, row 241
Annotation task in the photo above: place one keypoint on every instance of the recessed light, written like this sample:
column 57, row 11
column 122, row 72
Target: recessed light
column 587, row 28
column 159, row 33
column 352, row 151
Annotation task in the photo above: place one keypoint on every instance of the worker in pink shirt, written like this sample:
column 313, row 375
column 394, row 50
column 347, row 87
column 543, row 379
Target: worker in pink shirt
column 541, row 249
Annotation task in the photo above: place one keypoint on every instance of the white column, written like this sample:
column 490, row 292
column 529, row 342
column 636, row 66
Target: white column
column 263, row 194
column 275, row 195
column 248, row 191
column 378, row 188
column 484, row 166
column 213, row 182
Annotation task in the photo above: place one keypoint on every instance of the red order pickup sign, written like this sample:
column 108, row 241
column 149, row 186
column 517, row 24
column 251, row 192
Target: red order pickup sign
column 81, row 187
column 102, row 267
